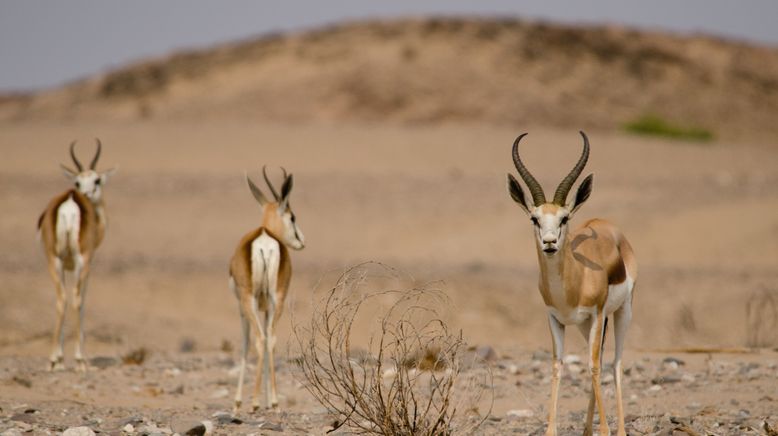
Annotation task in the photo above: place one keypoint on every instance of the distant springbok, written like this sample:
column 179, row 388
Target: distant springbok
column 71, row 228
column 585, row 276
column 260, row 271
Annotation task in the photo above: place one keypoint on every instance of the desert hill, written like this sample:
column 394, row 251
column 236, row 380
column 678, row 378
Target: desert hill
column 493, row 71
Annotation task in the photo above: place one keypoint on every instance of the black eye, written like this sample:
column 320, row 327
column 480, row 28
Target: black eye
column 563, row 221
column 293, row 218
column 97, row 182
column 534, row 220
column 78, row 184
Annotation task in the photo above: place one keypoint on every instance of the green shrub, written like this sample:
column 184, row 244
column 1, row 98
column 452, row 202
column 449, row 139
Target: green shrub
column 656, row 126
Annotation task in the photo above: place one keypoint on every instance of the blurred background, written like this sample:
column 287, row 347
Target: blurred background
column 396, row 120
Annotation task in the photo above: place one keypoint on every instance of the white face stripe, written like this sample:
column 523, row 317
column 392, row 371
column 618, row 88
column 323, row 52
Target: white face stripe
column 293, row 236
column 550, row 228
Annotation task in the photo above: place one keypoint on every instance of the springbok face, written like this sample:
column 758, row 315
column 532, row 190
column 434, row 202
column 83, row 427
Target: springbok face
column 278, row 216
column 550, row 219
column 88, row 181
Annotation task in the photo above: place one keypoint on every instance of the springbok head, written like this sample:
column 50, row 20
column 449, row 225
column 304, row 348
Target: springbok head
column 278, row 216
column 550, row 218
column 88, row 181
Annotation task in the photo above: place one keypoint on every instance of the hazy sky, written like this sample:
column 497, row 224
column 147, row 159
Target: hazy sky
column 46, row 43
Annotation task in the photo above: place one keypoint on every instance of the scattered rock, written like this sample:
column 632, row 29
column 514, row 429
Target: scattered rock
column 520, row 413
column 102, row 362
column 486, row 353
column 187, row 345
column 655, row 388
column 29, row 418
column 179, row 390
column 665, row 379
column 672, row 363
column 222, row 417
column 541, row 355
column 271, row 426
column 24, row 427
column 134, row 420
column 220, row 393
column 192, row 427
column 78, row 431
column 572, row 358
column 22, row 381
column 129, row 428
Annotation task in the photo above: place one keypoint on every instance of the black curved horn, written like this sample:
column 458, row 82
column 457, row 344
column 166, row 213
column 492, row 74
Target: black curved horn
column 560, row 196
column 97, row 155
column 73, row 156
column 270, row 185
column 538, row 197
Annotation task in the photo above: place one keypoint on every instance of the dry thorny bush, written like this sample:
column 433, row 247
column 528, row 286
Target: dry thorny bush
column 410, row 379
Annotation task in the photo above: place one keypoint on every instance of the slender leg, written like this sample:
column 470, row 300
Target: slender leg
column 595, row 362
column 558, row 348
column 585, row 328
column 244, row 323
column 274, row 312
column 56, row 360
column 621, row 321
column 79, row 295
column 259, row 344
column 271, row 345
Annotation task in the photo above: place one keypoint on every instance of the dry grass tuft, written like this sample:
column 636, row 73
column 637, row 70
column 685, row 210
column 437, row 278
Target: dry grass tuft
column 414, row 384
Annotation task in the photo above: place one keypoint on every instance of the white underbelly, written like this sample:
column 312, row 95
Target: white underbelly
column 617, row 295
column 573, row 316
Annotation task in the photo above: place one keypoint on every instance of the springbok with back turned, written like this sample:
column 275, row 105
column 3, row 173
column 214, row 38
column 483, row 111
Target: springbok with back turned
column 586, row 275
column 70, row 229
column 260, row 272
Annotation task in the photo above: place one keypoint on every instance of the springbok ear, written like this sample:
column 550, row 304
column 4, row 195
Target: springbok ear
column 107, row 174
column 517, row 194
column 584, row 190
column 70, row 174
column 258, row 195
column 286, row 189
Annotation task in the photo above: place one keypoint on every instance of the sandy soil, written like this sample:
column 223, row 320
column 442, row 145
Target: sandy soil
column 430, row 201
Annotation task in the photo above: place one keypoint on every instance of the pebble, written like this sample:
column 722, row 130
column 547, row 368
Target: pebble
column 129, row 428
column 193, row 428
column 572, row 358
column 520, row 413
column 222, row 417
column 220, row 393
column 655, row 388
column 29, row 418
column 102, row 362
column 486, row 353
column 78, row 431
column 514, row 369
column 665, row 379
column 541, row 355
column 271, row 426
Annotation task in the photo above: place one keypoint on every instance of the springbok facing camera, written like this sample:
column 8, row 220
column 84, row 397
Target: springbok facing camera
column 585, row 276
column 260, row 271
column 71, row 228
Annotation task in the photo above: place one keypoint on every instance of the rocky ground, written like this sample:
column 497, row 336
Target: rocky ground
column 665, row 393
